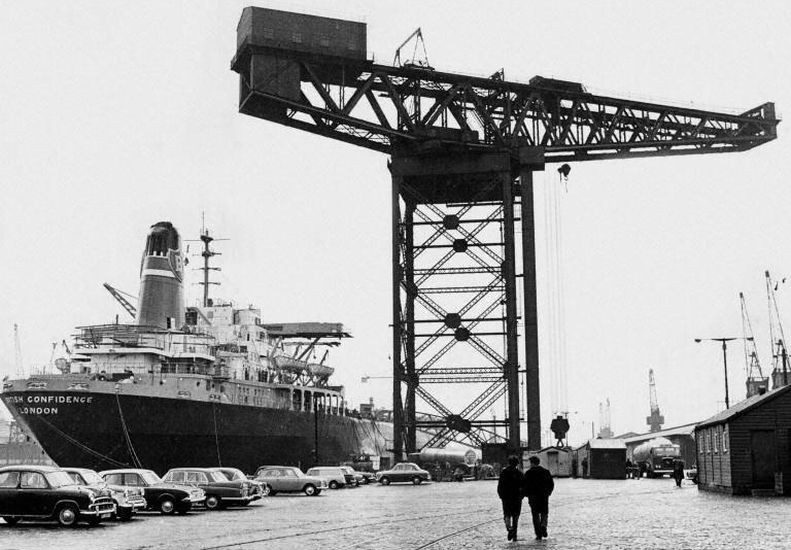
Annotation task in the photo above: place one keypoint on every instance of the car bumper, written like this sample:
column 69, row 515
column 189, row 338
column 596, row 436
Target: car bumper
column 99, row 509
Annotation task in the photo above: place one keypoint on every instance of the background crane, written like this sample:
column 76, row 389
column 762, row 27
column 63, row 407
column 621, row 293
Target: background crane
column 463, row 150
column 756, row 382
column 655, row 420
column 780, row 367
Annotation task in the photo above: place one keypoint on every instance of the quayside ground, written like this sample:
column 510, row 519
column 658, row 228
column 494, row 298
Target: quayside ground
column 626, row 514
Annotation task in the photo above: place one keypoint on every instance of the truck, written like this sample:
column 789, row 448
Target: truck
column 655, row 457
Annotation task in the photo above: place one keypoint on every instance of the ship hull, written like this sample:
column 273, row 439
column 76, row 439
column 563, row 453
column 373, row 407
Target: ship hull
column 111, row 430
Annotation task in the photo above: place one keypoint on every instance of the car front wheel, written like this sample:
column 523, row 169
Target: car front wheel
column 10, row 520
column 212, row 502
column 385, row 481
column 266, row 491
column 416, row 480
column 167, row 506
column 309, row 490
column 68, row 515
column 124, row 514
column 333, row 484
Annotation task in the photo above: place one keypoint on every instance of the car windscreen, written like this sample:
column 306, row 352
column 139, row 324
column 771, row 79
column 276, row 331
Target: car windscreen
column 59, row 479
column 217, row 476
column 150, row 477
column 92, row 478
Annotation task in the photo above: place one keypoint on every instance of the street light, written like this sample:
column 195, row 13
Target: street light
column 724, row 358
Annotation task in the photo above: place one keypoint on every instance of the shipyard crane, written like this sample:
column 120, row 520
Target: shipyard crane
column 605, row 431
column 462, row 150
column 656, row 419
column 19, row 364
column 756, row 382
column 780, row 367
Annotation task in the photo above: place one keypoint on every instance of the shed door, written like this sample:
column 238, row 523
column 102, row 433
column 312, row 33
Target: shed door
column 762, row 443
column 552, row 463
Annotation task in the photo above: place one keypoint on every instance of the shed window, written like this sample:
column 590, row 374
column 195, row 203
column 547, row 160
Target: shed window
column 717, row 439
column 324, row 40
column 296, row 37
column 269, row 33
column 725, row 439
column 708, row 440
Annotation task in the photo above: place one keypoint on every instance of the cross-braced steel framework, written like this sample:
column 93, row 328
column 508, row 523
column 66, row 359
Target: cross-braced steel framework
column 454, row 295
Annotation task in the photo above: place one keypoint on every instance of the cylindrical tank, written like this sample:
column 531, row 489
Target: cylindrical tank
column 454, row 456
column 642, row 452
column 161, row 299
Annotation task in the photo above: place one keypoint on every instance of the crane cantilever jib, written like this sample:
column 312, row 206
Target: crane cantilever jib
column 379, row 107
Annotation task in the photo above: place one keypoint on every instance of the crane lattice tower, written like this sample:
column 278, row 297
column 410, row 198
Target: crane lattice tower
column 463, row 150
column 655, row 420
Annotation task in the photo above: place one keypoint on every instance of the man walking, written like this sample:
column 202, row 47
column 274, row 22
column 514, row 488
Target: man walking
column 509, row 489
column 538, row 485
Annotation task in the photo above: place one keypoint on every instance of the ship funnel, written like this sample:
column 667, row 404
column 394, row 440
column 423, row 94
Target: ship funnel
column 161, row 298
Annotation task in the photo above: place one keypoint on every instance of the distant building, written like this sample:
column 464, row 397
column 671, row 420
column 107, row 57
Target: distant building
column 601, row 459
column 555, row 459
column 745, row 449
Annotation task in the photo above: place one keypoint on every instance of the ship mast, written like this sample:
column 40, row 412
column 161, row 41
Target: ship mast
column 207, row 254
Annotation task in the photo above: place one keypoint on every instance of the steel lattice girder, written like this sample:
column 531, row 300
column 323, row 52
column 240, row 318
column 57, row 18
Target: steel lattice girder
column 379, row 107
column 481, row 303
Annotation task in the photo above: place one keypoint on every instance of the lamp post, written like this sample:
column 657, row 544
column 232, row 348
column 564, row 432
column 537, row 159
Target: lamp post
column 724, row 342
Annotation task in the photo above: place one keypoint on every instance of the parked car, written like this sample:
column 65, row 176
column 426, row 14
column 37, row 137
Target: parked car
column 357, row 477
column 220, row 491
column 43, row 492
column 335, row 476
column 258, row 489
column 167, row 498
column 405, row 471
column 288, row 479
column 127, row 500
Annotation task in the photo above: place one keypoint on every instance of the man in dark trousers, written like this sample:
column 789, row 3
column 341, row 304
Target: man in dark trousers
column 538, row 485
column 509, row 489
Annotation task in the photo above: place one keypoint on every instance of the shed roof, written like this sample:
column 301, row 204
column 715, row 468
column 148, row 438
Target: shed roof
column 684, row 429
column 743, row 407
column 606, row 444
column 551, row 449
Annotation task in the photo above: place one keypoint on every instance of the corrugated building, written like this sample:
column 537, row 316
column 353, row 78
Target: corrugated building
column 745, row 449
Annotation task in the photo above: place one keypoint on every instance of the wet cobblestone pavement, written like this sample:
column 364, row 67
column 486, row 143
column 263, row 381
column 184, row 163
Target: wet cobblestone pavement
column 644, row 514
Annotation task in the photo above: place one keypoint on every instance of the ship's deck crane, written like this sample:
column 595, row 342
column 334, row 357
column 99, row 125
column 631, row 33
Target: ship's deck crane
column 756, row 382
column 463, row 150
column 120, row 297
column 656, row 419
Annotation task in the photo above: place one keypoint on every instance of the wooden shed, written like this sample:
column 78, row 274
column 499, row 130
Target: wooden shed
column 745, row 449
column 555, row 459
column 601, row 459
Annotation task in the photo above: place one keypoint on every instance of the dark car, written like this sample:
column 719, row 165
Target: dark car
column 220, row 491
column 43, row 492
column 167, row 498
column 127, row 500
column 288, row 479
column 405, row 471
column 257, row 488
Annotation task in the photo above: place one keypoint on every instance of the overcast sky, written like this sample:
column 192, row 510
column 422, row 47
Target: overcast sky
column 116, row 115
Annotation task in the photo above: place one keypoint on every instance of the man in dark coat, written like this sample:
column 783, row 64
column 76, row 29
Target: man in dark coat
column 538, row 485
column 509, row 489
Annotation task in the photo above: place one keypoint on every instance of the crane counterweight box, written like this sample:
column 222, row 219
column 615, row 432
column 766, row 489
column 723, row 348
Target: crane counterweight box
column 270, row 44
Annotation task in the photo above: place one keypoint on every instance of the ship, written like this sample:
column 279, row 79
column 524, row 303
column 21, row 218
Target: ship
column 203, row 385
